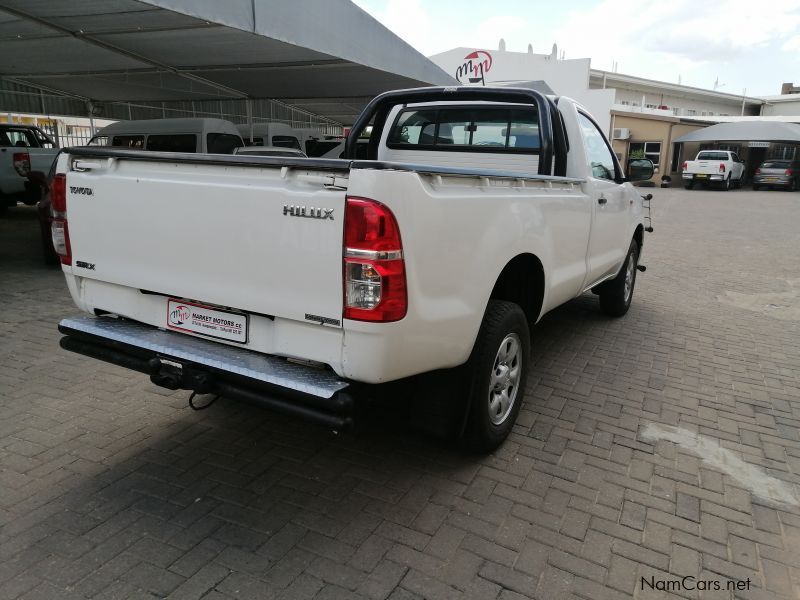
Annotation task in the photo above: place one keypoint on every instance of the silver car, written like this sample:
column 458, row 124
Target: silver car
column 778, row 173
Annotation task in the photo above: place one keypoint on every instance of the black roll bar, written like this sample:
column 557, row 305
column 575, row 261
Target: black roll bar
column 377, row 110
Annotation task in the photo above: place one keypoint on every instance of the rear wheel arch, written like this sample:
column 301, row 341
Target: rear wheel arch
column 522, row 281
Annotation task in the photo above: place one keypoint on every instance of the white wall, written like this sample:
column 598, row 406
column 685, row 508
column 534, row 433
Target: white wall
column 634, row 97
column 791, row 108
column 565, row 77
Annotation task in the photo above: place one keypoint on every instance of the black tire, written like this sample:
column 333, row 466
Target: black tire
column 504, row 325
column 614, row 299
column 792, row 186
column 689, row 186
column 727, row 185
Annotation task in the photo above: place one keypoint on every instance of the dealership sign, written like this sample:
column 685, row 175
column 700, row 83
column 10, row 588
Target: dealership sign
column 476, row 64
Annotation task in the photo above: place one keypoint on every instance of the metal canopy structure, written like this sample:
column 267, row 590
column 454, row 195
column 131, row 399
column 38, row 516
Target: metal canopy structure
column 762, row 131
column 326, row 56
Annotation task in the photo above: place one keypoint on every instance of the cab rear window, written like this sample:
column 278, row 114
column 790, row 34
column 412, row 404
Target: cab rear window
column 465, row 128
column 712, row 156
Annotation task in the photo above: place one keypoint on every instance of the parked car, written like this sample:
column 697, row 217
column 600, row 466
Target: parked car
column 429, row 261
column 720, row 167
column 23, row 149
column 268, row 151
column 207, row 136
column 778, row 174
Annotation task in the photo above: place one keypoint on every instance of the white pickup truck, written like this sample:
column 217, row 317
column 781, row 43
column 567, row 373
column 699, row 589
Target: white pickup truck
column 721, row 167
column 23, row 149
column 298, row 283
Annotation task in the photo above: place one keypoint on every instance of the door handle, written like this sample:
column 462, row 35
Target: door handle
column 602, row 200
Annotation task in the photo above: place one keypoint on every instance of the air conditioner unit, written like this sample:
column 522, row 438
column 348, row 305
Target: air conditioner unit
column 621, row 133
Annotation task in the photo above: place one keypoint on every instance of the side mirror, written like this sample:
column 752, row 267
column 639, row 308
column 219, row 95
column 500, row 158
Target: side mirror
column 640, row 169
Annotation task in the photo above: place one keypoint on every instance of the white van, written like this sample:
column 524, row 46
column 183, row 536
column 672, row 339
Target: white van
column 279, row 135
column 205, row 136
column 313, row 142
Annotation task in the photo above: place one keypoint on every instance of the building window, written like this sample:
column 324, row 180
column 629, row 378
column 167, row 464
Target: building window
column 651, row 150
column 651, row 105
column 782, row 152
column 691, row 112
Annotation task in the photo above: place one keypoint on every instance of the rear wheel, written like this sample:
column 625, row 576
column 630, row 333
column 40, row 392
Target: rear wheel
column 792, row 186
column 616, row 295
column 498, row 372
column 727, row 184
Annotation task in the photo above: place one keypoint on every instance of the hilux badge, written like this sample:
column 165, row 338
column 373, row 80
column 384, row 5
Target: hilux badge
column 310, row 212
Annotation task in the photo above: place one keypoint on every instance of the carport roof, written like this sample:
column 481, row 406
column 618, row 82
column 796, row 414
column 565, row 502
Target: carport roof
column 762, row 131
column 329, row 52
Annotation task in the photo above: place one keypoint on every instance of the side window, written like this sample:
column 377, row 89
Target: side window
column 98, row 140
column 598, row 154
column 43, row 139
column 286, row 141
column 223, row 143
column 21, row 138
column 128, row 141
column 184, row 142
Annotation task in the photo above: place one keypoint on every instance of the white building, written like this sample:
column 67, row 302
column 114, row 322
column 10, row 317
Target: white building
column 565, row 77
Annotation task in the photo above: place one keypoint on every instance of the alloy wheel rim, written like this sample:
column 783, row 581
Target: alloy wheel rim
column 630, row 269
column 505, row 378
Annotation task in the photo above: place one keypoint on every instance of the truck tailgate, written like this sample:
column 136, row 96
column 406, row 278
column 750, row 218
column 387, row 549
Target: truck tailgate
column 216, row 233
column 709, row 167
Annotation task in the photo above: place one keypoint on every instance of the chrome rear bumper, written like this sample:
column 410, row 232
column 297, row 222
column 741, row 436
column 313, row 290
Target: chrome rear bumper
column 179, row 361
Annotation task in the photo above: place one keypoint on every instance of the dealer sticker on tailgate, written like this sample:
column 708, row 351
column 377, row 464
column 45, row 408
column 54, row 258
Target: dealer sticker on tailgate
column 213, row 322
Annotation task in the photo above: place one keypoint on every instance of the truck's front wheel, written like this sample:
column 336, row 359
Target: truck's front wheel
column 616, row 295
column 498, row 370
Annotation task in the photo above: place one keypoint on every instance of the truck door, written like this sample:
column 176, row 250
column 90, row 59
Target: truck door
column 607, row 245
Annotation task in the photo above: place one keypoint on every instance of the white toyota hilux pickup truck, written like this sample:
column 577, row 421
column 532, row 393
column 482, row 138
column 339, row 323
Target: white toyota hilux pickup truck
column 23, row 149
column 721, row 167
column 297, row 282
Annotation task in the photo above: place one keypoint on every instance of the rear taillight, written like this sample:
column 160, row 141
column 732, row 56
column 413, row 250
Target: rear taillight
column 22, row 163
column 721, row 167
column 684, row 166
column 58, row 226
column 758, row 171
column 788, row 172
column 374, row 269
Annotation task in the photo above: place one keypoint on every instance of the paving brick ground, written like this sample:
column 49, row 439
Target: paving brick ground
column 113, row 488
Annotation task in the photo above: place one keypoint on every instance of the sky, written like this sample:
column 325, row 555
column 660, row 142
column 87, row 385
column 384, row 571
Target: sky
column 735, row 44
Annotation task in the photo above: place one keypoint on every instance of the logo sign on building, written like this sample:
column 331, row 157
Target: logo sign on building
column 476, row 64
column 758, row 144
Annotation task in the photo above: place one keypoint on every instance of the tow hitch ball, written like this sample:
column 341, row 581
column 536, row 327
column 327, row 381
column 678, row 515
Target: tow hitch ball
column 175, row 376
